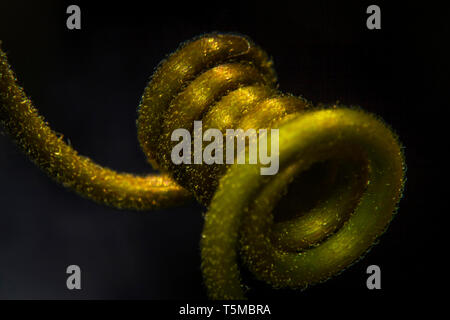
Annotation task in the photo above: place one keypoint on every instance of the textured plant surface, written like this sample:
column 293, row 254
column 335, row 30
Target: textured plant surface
column 341, row 169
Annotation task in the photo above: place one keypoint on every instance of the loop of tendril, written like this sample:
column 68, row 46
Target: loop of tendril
column 340, row 179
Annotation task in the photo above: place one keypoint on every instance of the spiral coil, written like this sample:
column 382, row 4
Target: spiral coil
column 341, row 170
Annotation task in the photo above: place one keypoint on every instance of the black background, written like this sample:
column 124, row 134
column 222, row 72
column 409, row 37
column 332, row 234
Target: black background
column 88, row 83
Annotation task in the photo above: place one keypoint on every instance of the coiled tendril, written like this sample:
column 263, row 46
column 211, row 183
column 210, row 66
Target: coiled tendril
column 341, row 170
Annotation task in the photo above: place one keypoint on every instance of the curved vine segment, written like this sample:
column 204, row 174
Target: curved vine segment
column 61, row 162
column 341, row 170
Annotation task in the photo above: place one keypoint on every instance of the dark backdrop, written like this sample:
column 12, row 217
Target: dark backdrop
column 88, row 84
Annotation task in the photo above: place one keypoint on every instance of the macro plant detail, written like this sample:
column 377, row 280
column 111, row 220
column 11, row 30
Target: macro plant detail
column 341, row 170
